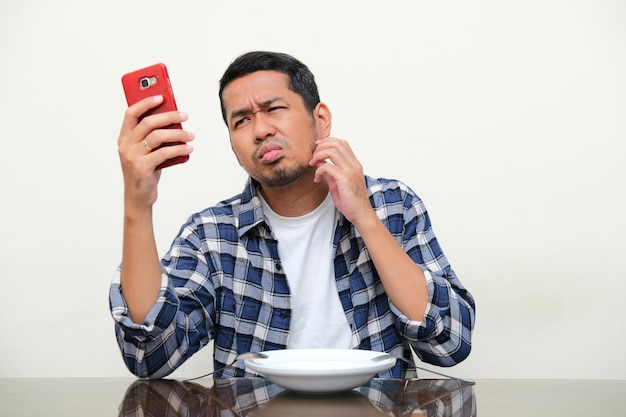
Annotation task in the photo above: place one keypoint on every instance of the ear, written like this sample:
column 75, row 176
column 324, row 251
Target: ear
column 323, row 118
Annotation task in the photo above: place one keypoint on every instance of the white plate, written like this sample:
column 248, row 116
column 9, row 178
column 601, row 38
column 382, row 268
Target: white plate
column 319, row 371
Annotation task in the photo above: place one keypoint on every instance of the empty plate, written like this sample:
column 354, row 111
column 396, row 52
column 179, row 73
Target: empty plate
column 319, row 371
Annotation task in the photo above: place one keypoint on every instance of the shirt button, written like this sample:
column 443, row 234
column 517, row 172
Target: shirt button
column 279, row 267
column 283, row 314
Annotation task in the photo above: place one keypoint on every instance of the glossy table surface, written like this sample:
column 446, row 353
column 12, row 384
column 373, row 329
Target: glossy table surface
column 97, row 397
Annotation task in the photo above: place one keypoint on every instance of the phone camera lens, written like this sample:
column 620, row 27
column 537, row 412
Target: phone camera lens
column 144, row 82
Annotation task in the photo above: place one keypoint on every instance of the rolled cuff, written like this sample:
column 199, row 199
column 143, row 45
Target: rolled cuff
column 160, row 316
column 415, row 329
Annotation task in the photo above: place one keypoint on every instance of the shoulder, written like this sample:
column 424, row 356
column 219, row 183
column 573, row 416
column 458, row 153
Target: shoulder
column 215, row 222
column 386, row 191
column 224, row 210
column 240, row 210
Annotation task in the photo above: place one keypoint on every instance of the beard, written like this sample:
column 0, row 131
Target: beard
column 283, row 176
column 284, row 173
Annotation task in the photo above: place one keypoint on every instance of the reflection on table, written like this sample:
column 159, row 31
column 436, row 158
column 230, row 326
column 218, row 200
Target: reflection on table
column 259, row 397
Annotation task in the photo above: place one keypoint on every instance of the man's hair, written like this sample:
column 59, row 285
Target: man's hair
column 301, row 80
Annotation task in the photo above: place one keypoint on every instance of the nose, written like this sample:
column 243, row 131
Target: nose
column 263, row 128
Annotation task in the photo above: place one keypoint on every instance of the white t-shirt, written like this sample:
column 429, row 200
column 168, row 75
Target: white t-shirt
column 305, row 247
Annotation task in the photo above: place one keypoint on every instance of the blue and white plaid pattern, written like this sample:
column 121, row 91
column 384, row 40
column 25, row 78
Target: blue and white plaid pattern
column 223, row 280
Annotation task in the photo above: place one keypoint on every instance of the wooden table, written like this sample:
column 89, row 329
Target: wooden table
column 97, row 397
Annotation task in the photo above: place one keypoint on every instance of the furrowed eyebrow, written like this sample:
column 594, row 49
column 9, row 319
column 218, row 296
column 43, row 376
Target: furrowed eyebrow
column 245, row 111
column 238, row 113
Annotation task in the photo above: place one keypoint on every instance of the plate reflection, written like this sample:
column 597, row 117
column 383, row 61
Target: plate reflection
column 257, row 397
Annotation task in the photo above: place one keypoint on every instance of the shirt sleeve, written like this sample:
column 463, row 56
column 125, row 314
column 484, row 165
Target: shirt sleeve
column 162, row 312
column 444, row 337
column 176, row 327
column 147, row 348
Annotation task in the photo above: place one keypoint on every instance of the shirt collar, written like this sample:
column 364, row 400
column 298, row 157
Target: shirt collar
column 251, row 211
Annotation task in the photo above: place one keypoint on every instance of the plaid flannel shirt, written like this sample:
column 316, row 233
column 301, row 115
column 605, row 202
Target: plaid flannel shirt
column 222, row 280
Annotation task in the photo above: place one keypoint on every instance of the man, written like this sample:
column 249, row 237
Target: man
column 312, row 253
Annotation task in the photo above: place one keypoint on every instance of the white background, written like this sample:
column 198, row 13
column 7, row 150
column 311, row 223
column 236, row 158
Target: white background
column 507, row 118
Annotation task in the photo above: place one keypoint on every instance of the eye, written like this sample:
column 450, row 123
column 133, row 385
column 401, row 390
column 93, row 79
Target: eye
column 272, row 109
column 239, row 122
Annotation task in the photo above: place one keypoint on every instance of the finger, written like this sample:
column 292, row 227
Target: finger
column 328, row 172
column 157, row 138
column 321, row 152
column 160, row 128
column 335, row 152
column 332, row 156
column 133, row 113
column 171, row 150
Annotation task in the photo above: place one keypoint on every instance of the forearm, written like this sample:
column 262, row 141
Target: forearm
column 176, row 326
column 141, row 269
column 435, row 313
column 403, row 280
column 445, row 337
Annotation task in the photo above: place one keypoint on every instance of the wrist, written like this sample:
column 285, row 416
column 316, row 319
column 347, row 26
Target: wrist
column 137, row 212
column 369, row 221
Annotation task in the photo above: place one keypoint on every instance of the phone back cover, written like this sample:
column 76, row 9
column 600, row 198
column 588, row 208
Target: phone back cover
column 161, row 85
column 134, row 91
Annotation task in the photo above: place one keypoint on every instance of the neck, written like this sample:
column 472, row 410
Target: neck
column 296, row 199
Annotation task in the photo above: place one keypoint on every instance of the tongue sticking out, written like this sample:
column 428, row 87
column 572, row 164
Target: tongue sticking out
column 271, row 156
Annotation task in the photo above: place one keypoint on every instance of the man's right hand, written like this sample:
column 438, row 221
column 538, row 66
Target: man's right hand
column 135, row 144
column 141, row 268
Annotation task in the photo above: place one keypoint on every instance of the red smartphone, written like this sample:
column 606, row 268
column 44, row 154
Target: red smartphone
column 148, row 82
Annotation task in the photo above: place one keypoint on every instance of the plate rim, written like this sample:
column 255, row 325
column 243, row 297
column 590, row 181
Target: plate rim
column 256, row 364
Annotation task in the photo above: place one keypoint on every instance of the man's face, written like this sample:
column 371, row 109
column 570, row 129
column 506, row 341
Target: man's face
column 271, row 132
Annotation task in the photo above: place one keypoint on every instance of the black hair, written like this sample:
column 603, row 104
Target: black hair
column 301, row 80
